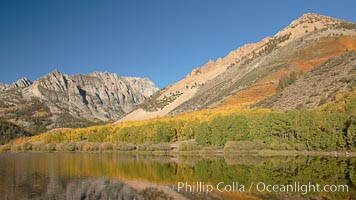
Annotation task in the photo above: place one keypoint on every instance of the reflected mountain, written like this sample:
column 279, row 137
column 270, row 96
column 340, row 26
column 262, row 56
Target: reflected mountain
column 130, row 176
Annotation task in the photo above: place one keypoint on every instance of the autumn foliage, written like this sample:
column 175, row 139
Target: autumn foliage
column 332, row 127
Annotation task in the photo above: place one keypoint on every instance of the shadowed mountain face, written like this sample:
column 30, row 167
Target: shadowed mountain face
column 58, row 100
column 252, row 72
column 9, row 131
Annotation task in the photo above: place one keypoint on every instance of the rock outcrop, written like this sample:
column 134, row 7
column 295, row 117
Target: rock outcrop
column 3, row 87
column 21, row 83
column 65, row 100
column 97, row 95
column 305, row 24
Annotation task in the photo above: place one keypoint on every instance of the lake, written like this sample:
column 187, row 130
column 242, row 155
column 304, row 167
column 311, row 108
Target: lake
column 110, row 175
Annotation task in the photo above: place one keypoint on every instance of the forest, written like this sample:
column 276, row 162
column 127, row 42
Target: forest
column 331, row 127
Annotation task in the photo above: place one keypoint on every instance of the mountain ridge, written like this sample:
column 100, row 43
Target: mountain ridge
column 93, row 97
column 243, row 78
column 293, row 91
column 216, row 82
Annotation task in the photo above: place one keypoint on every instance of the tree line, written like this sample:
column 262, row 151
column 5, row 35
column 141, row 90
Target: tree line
column 331, row 127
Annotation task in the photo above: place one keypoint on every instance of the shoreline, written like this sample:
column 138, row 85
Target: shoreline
column 214, row 153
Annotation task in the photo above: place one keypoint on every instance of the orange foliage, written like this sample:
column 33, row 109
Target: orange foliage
column 304, row 60
column 274, row 77
column 325, row 49
column 307, row 65
column 20, row 140
column 251, row 95
column 349, row 42
column 41, row 114
column 13, row 108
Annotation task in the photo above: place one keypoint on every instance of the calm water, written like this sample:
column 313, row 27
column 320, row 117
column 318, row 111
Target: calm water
column 125, row 176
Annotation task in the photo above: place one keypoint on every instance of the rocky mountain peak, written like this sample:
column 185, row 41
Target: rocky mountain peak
column 313, row 17
column 251, row 72
column 104, row 75
column 3, row 87
column 55, row 72
column 304, row 25
column 143, row 85
column 97, row 95
column 55, row 75
column 55, row 81
column 59, row 100
column 21, row 83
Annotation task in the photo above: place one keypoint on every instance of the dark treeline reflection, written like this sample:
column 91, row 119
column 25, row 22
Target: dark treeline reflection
column 104, row 175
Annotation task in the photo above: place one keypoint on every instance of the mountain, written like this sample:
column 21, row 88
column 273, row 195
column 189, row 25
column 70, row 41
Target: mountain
column 58, row 100
column 3, row 87
column 252, row 73
column 21, row 83
column 305, row 75
column 317, row 87
column 9, row 131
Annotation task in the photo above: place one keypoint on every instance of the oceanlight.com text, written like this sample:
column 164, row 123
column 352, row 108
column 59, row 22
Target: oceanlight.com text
column 295, row 187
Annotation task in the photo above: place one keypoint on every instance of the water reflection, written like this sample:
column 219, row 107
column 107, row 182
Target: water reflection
column 126, row 176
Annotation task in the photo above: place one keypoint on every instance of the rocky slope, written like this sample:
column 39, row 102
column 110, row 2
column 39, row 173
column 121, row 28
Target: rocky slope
column 21, row 83
column 3, row 87
column 318, row 86
column 251, row 73
column 58, row 100
column 9, row 131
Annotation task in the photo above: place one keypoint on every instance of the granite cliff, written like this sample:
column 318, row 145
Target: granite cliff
column 59, row 100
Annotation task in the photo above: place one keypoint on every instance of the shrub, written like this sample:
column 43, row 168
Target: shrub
column 154, row 193
column 277, row 145
column 161, row 147
column 286, row 81
column 106, row 146
column 258, row 144
column 123, row 146
column 147, row 146
column 80, row 145
column 286, row 146
column 60, row 146
column 91, row 146
column 323, row 101
column 232, row 146
column 71, row 146
column 39, row 146
column 300, row 147
column 16, row 147
column 51, row 147
column 189, row 145
column 26, row 146
column 66, row 146
column 5, row 147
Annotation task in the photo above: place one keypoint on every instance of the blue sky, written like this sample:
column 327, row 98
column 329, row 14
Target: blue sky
column 159, row 39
